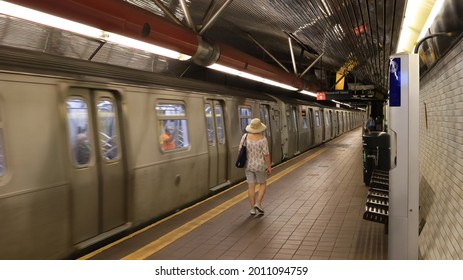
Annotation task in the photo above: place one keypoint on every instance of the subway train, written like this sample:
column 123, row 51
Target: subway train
column 90, row 151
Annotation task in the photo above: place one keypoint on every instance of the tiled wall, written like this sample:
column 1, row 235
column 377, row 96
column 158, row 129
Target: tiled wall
column 441, row 158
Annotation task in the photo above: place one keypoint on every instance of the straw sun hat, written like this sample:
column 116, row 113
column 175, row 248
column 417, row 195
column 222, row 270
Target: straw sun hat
column 256, row 126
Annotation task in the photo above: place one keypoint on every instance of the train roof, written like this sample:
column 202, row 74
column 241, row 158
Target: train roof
column 26, row 61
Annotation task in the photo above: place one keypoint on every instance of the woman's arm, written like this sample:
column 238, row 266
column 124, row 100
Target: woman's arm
column 268, row 164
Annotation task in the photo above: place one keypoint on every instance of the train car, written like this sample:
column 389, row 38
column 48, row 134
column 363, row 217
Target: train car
column 88, row 150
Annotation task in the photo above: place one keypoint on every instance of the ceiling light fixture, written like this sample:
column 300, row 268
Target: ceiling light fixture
column 341, row 103
column 432, row 16
column 85, row 30
column 419, row 16
column 308, row 93
column 245, row 75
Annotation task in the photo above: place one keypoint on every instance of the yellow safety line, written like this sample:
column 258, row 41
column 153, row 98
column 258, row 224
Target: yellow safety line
column 96, row 252
column 181, row 231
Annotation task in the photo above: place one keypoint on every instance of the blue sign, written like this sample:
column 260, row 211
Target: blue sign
column 394, row 82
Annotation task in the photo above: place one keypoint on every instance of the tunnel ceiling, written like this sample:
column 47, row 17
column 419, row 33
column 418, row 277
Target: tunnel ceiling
column 355, row 36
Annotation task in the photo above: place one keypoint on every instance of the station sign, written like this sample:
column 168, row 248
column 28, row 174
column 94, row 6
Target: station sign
column 336, row 95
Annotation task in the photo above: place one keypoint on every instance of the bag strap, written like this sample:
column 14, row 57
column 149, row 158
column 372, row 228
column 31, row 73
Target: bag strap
column 244, row 141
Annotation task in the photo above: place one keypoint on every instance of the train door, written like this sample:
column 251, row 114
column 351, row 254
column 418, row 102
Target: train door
column 265, row 118
column 322, row 123
column 333, row 124
column 277, row 147
column 216, row 140
column 311, row 127
column 327, row 125
column 98, row 175
column 293, row 130
column 341, row 122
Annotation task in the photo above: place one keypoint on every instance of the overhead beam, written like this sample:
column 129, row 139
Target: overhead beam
column 340, row 79
column 293, row 60
column 167, row 12
column 214, row 18
column 268, row 53
column 188, row 18
column 311, row 65
column 304, row 46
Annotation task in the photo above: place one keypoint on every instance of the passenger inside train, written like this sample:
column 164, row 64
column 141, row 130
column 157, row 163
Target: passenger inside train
column 82, row 148
column 167, row 138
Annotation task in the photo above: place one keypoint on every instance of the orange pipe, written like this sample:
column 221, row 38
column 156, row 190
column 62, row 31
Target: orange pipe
column 128, row 20
column 121, row 18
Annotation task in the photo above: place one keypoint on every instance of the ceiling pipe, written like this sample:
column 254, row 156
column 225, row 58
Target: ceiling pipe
column 129, row 20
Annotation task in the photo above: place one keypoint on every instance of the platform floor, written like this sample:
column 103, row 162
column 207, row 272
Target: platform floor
column 313, row 210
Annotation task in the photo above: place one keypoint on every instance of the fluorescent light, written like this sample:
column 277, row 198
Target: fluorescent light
column 75, row 27
column 46, row 19
column 420, row 14
column 248, row 76
column 340, row 103
column 308, row 93
column 277, row 84
column 432, row 16
column 224, row 69
column 129, row 42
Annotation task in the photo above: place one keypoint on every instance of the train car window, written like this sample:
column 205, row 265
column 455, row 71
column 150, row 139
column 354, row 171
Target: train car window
column 210, row 125
column 265, row 118
column 219, row 122
column 173, row 126
column 77, row 116
column 245, row 117
column 2, row 154
column 108, row 129
column 317, row 118
column 304, row 119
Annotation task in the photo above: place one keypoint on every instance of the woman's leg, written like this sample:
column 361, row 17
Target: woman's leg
column 252, row 194
column 260, row 195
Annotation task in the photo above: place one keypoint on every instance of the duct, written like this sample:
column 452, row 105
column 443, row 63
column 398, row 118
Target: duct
column 128, row 20
column 206, row 53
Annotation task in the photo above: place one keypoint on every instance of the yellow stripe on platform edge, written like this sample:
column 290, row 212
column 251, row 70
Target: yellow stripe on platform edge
column 183, row 230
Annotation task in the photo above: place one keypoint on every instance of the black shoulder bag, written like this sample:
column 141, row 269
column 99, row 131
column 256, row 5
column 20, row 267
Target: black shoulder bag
column 242, row 155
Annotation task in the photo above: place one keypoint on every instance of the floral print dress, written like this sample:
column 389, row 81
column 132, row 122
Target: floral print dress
column 255, row 153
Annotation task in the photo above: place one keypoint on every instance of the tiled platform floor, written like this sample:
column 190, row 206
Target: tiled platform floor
column 313, row 210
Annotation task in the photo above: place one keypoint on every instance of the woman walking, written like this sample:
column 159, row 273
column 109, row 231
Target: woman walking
column 258, row 165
